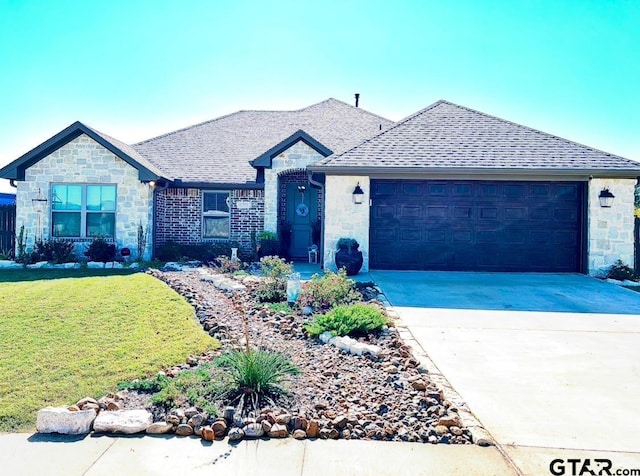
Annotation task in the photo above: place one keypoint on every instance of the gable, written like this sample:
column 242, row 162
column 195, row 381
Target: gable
column 265, row 159
column 16, row 169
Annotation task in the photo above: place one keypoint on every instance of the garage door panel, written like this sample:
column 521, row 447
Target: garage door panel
column 476, row 225
column 411, row 235
column 462, row 236
column 437, row 212
column 436, row 236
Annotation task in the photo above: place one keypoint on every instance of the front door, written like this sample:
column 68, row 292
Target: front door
column 302, row 211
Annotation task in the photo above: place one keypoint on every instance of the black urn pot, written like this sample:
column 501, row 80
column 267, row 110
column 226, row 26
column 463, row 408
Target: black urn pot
column 350, row 260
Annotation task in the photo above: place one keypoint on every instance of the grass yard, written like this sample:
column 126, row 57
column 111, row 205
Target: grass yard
column 67, row 334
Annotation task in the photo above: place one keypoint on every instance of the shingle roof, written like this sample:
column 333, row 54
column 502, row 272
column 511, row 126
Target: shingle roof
column 219, row 151
column 447, row 136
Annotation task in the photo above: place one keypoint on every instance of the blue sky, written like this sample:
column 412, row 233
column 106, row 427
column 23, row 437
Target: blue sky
column 136, row 69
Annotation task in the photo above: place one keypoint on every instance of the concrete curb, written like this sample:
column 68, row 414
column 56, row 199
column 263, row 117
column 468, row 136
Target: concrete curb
column 479, row 434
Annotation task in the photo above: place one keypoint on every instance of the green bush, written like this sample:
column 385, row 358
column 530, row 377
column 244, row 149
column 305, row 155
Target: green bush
column 274, row 287
column 100, row 250
column 281, row 307
column 198, row 387
column 257, row 373
column 329, row 290
column 205, row 252
column 54, row 251
column 225, row 265
column 169, row 251
column 152, row 385
column 621, row 272
column 354, row 319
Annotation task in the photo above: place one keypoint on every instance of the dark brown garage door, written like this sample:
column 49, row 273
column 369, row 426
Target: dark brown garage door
column 476, row 225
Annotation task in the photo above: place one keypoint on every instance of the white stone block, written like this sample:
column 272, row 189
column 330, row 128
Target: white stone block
column 374, row 350
column 61, row 420
column 95, row 265
column 38, row 265
column 7, row 264
column 325, row 337
column 122, row 421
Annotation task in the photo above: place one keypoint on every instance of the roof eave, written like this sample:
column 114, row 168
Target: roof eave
column 448, row 171
column 217, row 185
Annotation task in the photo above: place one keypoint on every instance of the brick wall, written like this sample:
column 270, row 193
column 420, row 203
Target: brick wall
column 247, row 215
column 179, row 215
column 297, row 176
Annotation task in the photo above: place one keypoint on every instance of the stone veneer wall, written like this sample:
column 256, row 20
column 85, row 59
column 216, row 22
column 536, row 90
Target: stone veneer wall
column 296, row 157
column 84, row 161
column 610, row 230
column 179, row 215
column 345, row 219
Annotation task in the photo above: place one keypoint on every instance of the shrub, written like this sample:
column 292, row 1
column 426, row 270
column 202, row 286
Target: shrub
column 205, row 252
column 55, row 251
column 280, row 307
column 274, row 287
column 153, row 385
column 100, row 250
column 225, row 265
column 328, row 290
column 143, row 237
column 269, row 244
column 621, row 272
column 256, row 373
column 169, row 251
column 192, row 387
column 354, row 319
column 21, row 244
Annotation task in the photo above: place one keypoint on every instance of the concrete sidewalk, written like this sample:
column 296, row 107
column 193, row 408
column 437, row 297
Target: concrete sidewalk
column 29, row 455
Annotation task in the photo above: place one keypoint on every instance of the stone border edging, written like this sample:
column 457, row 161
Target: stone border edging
column 479, row 433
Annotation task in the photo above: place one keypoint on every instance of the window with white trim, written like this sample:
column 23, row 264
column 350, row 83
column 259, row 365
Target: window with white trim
column 216, row 219
column 83, row 210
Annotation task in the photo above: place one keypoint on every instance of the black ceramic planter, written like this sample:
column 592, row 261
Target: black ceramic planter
column 351, row 261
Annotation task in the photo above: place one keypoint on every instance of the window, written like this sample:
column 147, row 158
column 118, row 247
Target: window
column 215, row 215
column 82, row 211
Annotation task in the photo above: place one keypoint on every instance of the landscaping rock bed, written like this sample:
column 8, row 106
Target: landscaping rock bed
column 338, row 394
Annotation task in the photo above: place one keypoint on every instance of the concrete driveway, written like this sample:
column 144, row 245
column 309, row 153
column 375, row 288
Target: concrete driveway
column 549, row 363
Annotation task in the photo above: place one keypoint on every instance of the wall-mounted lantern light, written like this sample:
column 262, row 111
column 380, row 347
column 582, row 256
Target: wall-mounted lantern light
column 606, row 198
column 358, row 194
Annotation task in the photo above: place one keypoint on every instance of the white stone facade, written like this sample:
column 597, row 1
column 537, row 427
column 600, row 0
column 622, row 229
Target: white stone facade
column 345, row 219
column 296, row 157
column 84, row 161
column 610, row 230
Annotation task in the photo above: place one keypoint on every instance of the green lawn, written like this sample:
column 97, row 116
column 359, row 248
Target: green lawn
column 67, row 334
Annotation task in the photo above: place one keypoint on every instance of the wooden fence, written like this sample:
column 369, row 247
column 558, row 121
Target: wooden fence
column 7, row 228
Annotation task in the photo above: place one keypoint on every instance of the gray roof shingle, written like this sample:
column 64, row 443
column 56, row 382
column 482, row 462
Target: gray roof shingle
column 219, row 151
column 445, row 136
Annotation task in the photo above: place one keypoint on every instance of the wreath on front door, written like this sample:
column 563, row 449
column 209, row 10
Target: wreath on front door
column 302, row 210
